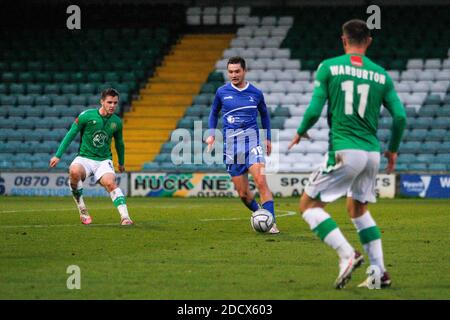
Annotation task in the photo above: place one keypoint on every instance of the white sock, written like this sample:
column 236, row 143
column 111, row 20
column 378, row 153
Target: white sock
column 324, row 226
column 79, row 201
column 373, row 248
column 119, row 201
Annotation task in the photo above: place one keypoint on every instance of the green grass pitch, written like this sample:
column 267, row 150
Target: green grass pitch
column 205, row 249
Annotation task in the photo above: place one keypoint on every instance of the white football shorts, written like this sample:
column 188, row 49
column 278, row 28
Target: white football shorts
column 95, row 168
column 354, row 175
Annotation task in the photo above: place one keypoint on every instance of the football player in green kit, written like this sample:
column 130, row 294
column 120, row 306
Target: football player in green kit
column 97, row 128
column 355, row 88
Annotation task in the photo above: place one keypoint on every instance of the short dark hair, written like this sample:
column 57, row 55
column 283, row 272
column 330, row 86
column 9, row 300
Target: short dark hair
column 109, row 92
column 236, row 60
column 356, row 31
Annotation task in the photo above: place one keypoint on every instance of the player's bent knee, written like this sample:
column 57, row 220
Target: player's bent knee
column 76, row 172
column 260, row 182
column 303, row 206
column 306, row 202
column 109, row 182
column 110, row 185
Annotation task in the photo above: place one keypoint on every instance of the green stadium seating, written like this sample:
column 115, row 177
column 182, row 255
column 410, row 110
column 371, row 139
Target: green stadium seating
column 34, row 89
column 437, row 167
column 16, row 88
column 418, row 167
column 26, row 100
column 69, row 88
column 8, row 100
column 9, row 77
column 151, row 166
column 17, row 112
column 43, row 100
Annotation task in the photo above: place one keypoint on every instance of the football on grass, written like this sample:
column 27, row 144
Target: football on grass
column 261, row 220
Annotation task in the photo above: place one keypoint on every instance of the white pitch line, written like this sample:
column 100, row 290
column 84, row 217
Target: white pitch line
column 59, row 225
column 289, row 213
column 95, row 208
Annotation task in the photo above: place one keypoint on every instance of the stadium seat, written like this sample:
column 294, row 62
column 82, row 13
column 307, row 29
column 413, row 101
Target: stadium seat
column 34, row 89
column 444, row 111
column 43, row 100
column 16, row 112
column 437, row 167
column 429, row 110
column 22, row 165
column 51, row 88
column 441, row 123
column 436, row 134
column 151, row 166
column 17, row 88
column 8, row 100
column 418, row 167
column 410, row 146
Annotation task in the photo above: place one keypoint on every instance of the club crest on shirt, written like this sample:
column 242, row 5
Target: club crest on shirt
column 227, row 97
column 251, row 99
column 230, row 119
column 113, row 126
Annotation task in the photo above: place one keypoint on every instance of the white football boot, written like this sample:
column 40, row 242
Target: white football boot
column 84, row 216
column 346, row 267
column 274, row 229
column 126, row 221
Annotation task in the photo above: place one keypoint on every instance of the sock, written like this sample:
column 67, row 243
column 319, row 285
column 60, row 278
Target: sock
column 78, row 195
column 370, row 237
column 253, row 205
column 327, row 230
column 119, row 201
column 268, row 205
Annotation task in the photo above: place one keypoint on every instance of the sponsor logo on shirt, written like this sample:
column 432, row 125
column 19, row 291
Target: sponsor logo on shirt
column 356, row 61
column 99, row 138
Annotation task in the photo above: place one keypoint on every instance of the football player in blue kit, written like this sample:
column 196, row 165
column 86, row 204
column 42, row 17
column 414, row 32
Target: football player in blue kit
column 240, row 103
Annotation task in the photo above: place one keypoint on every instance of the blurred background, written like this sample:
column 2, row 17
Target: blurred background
column 167, row 58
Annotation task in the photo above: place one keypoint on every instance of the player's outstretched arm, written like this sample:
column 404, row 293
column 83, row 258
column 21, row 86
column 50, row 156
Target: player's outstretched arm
column 53, row 162
column 213, row 119
column 120, row 148
column 265, row 122
column 297, row 139
column 395, row 107
column 70, row 135
column 268, row 147
column 392, row 160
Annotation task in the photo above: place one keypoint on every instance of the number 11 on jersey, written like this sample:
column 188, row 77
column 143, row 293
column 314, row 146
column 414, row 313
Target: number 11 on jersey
column 363, row 91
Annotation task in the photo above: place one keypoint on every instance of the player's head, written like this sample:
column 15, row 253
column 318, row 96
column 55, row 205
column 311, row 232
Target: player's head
column 109, row 101
column 356, row 34
column 236, row 70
